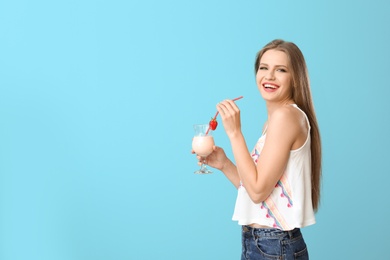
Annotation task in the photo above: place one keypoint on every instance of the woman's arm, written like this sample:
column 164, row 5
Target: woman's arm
column 283, row 129
column 230, row 171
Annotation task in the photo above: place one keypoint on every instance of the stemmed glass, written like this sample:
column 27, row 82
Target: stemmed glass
column 202, row 144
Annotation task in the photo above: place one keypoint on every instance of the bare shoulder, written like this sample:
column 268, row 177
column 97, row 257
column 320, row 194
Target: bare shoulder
column 288, row 124
column 287, row 116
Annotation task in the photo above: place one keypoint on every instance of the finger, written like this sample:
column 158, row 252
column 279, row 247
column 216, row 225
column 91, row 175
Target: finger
column 223, row 108
column 231, row 105
column 220, row 108
column 226, row 110
column 231, row 109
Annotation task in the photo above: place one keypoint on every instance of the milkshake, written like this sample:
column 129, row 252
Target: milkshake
column 203, row 145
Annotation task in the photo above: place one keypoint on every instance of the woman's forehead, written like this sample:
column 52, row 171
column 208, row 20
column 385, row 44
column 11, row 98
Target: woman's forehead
column 275, row 57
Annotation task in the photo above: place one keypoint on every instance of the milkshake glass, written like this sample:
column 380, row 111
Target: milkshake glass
column 202, row 144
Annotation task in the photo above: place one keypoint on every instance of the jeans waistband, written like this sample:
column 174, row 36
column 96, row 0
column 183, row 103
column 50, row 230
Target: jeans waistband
column 271, row 232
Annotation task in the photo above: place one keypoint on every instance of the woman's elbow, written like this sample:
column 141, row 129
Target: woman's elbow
column 258, row 198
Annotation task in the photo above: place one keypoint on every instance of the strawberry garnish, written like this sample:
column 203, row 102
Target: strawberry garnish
column 213, row 124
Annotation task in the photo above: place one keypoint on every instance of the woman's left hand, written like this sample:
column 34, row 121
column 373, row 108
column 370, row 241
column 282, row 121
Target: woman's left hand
column 230, row 114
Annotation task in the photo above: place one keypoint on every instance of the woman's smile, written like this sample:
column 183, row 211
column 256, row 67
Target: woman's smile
column 270, row 87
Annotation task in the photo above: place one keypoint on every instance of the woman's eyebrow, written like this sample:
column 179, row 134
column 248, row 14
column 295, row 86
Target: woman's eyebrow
column 278, row 65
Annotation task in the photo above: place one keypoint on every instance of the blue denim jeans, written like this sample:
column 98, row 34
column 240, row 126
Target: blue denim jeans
column 263, row 243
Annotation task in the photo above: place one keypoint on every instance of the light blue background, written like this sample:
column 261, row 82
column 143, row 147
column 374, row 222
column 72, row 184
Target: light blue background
column 97, row 103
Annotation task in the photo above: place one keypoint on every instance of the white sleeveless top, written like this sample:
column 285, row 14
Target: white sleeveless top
column 289, row 205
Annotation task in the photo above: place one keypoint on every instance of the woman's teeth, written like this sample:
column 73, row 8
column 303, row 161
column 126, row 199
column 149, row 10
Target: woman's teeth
column 269, row 86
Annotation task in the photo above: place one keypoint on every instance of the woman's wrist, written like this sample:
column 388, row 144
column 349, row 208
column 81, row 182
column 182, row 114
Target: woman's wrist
column 226, row 165
column 235, row 135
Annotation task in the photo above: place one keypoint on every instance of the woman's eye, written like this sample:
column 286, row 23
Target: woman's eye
column 282, row 70
column 262, row 68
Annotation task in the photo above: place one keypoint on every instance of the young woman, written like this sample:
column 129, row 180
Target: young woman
column 279, row 181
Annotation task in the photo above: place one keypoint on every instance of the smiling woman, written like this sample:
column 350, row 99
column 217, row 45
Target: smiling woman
column 273, row 76
column 97, row 104
column 278, row 182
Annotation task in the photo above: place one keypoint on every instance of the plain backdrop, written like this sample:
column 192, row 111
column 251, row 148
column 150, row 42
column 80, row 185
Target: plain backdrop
column 97, row 103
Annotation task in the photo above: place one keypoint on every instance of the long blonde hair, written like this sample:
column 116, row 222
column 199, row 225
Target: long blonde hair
column 301, row 95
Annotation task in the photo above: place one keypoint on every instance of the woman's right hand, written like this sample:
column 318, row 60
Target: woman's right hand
column 217, row 159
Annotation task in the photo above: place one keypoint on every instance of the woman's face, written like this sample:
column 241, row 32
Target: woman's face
column 274, row 77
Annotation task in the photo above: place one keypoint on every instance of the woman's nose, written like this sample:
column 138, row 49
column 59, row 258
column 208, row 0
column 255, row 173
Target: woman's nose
column 270, row 75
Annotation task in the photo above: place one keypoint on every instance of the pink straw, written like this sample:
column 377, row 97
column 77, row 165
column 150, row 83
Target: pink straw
column 216, row 114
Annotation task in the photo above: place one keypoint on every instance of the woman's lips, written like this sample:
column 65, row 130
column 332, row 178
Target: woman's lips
column 270, row 87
